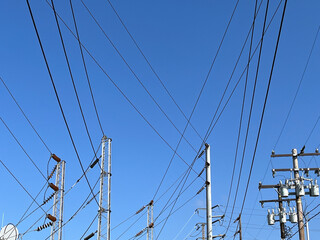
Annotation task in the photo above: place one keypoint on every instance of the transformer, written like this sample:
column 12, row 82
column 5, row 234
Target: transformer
column 300, row 189
column 314, row 189
column 284, row 192
column 283, row 216
column 293, row 217
column 270, row 217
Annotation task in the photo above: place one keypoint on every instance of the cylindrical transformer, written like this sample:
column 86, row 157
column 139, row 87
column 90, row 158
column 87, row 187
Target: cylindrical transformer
column 293, row 217
column 314, row 190
column 283, row 217
column 300, row 189
column 270, row 218
column 284, row 191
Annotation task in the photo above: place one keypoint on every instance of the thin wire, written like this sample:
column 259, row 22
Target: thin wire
column 15, row 138
column 184, row 226
column 151, row 67
column 85, row 67
column 265, row 103
column 57, row 96
column 89, row 226
column 25, row 116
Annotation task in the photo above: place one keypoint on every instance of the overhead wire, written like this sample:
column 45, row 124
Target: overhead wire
column 57, row 96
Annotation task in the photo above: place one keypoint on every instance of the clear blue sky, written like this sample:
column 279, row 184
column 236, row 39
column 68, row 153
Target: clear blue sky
column 180, row 38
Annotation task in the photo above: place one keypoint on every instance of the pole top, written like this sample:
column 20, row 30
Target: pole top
column 294, row 152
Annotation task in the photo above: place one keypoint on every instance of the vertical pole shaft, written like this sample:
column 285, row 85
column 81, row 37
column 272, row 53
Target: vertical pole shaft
column 55, row 202
column 282, row 228
column 63, row 166
column 208, row 193
column 240, row 228
column 102, row 174
column 109, row 191
column 298, row 198
column 148, row 223
column 152, row 221
column 307, row 227
column 203, row 231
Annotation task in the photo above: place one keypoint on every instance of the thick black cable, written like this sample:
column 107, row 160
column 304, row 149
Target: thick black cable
column 250, row 114
column 25, row 152
column 265, row 103
column 151, row 67
column 29, row 194
column 85, row 67
column 57, row 96
column 25, row 116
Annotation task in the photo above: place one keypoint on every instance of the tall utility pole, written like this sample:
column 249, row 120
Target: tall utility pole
column 208, row 193
column 150, row 223
column 298, row 198
column 240, row 227
column 104, row 209
column 56, row 228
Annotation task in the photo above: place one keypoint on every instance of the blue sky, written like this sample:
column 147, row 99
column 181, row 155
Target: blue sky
column 180, row 38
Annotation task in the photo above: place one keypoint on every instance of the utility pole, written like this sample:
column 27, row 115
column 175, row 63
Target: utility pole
column 104, row 210
column 58, row 187
column 296, row 183
column 208, row 193
column 240, row 227
column 150, row 223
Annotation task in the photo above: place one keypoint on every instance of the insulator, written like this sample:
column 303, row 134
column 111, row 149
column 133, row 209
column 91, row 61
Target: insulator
column 151, row 225
column 52, row 218
column 94, row 163
column 52, row 172
column 57, row 159
column 89, row 236
column 44, row 226
column 150, row 203
column 48, row 199
column 139, row 233
column 201, row 172
column 54, row 187
column 141, row 209
column 200, row 190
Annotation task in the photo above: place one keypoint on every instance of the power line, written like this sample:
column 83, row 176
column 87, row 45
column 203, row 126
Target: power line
column 151, row 67
column 57, row 96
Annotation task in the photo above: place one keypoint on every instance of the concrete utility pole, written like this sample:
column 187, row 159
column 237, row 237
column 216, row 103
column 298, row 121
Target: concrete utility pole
column 56, row 229
column 240, row 227
column 298, row 198
column 150, row 223
column 102, row 208
column 208, row 193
